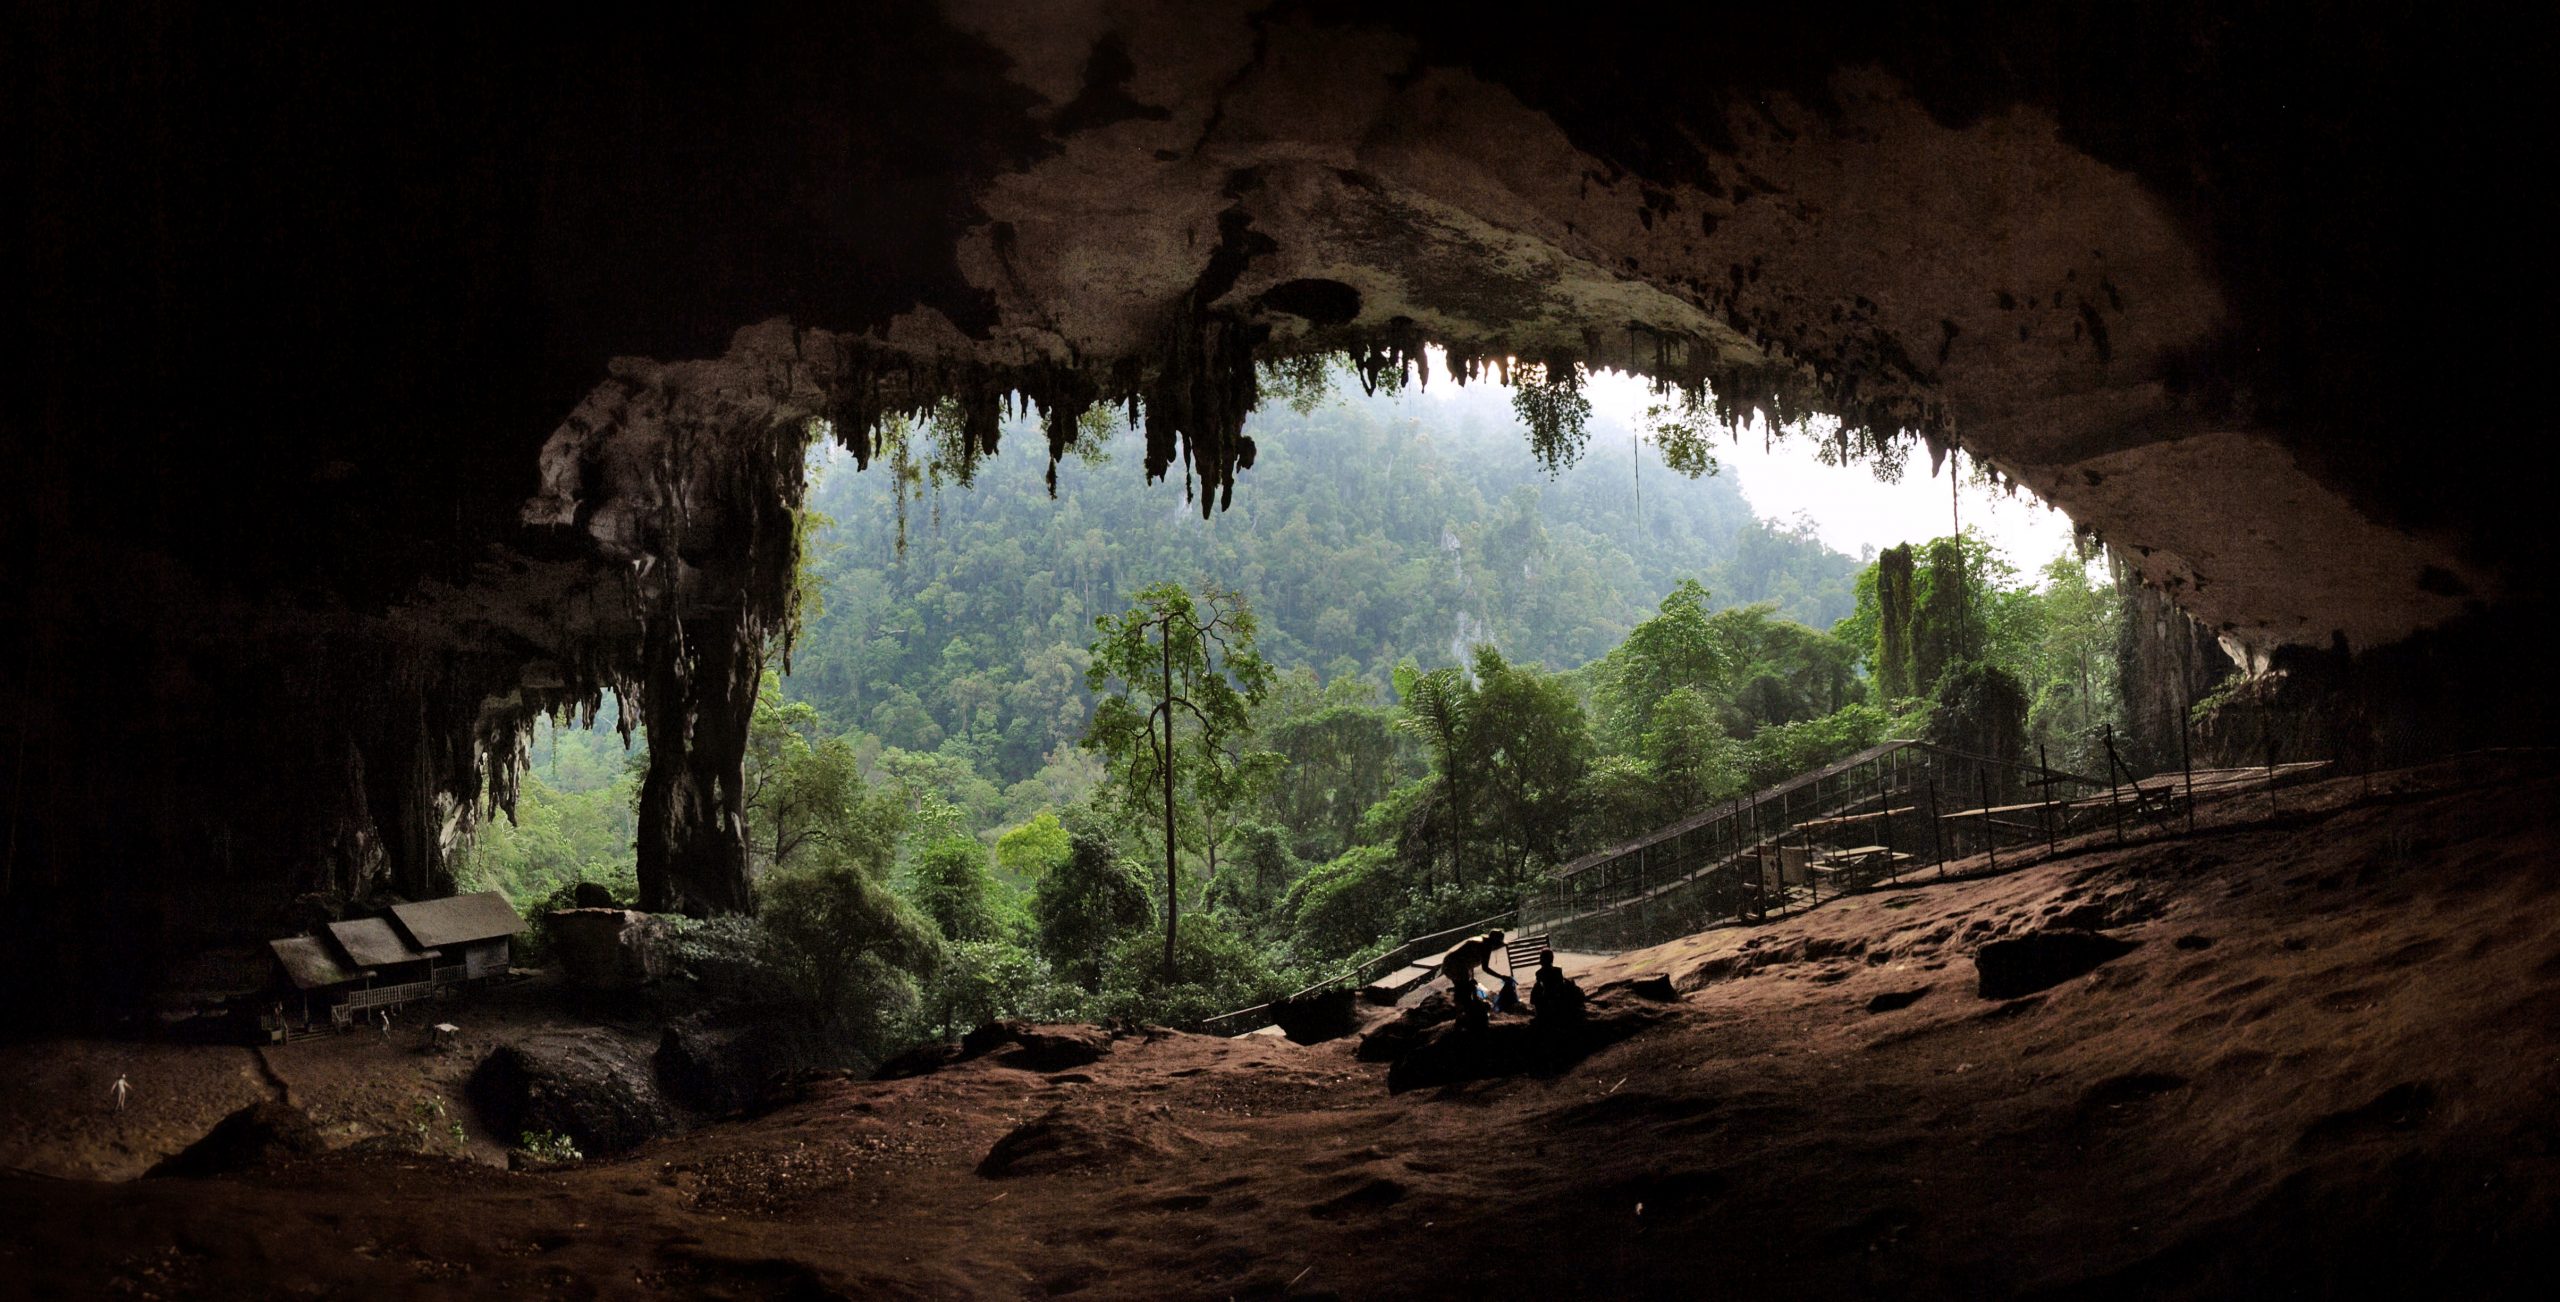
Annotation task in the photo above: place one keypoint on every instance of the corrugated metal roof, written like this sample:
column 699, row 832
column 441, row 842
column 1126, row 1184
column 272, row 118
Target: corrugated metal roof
column 372, row 943
column 310, row 965
column 458, row 919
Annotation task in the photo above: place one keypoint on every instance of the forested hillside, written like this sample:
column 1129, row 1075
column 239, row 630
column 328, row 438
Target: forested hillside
column 1368, row 531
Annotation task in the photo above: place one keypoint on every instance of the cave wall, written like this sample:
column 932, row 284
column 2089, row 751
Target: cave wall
column 392, row 379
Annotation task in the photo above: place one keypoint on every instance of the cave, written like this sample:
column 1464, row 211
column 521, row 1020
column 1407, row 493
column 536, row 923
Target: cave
column 391, row 381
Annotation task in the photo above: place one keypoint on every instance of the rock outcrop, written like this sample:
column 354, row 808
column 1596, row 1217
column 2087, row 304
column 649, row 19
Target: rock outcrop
column 608, row 949
column 591, row 1086
column 735, row 1059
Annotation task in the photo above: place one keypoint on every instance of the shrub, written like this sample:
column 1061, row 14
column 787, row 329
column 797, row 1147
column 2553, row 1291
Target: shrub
column 850, row 947
column 988, row 981
column 1214, row 971
column 548, row 1148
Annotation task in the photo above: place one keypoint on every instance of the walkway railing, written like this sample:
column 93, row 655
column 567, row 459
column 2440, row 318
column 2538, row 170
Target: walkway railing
column 1755, row 856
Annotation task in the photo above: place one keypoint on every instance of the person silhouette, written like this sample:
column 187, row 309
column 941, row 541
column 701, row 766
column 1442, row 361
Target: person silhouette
column 1554, row 994
column 120, row 1089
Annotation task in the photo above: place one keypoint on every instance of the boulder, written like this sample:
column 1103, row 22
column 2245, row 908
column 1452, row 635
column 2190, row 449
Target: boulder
column 1038, row 1048
column 608, row 949
column 591, row 1085
column 1509, row 1047
column 1316, row 1018
column 1023, row 1045
column 737, row 1058
column 1657, row 988
column 1390, row 1040
column 253, row 1137
column 2022, row 965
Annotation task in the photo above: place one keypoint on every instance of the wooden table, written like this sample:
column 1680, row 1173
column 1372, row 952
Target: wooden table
column 1865, row 861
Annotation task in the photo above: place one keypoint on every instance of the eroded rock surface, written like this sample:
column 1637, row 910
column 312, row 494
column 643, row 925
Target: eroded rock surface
column 2041, row 960
column 591, row 1086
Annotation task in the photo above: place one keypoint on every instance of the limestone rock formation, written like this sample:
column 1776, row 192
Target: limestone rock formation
column 608, row 949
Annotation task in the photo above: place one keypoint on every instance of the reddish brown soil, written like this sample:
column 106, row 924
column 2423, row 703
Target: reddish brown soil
column 2328, row 1069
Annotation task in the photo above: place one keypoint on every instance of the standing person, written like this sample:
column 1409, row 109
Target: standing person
column 386, row 1026
column 1461, row 964
column 120, row 1089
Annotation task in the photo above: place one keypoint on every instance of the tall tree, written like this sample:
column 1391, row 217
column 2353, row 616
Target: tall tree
column 1530, row 746
column 1439, row 708
column 1177, row 679
column 1679, row 647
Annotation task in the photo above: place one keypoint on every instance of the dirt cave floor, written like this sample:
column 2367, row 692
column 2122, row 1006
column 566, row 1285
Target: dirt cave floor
column 2328, row 1066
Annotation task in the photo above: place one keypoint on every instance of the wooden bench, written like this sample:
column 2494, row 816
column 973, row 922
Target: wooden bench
column 1522, row 955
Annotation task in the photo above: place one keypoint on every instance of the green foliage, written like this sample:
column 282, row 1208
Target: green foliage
column 1691, row 759
column 1549, row 401
column 1676, row 648
column 954, row 889
column 1780, row 751
column 1086, row 903
column 1212, row 971
column 1348, row 904
column 572, row 823
column 843, row 941
column 430, row 1123
column 2073, row 679
column 982, row 981
column 1530, row 747
column 1028, row 852
column 1684, row 426
column 724, row 953
column 1893, row 585
column 1964, row 613
column 805, row 796
column 1303, row 382
column 548, row 1148
column 1252, row 880
column 1981, row 710
column 958, row 664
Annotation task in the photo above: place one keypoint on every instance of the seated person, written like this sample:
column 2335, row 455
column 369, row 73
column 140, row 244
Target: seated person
column 1474, row 1014
column 1554, row 994
column 1507, row 999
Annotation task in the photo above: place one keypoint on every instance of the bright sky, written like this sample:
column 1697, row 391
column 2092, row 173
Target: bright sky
column 1850, row 508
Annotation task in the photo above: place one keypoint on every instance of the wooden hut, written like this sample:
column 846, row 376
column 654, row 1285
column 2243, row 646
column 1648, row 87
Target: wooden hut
column 396, row 971
column 473, row 935
column 316, row 974
column 371, row 942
